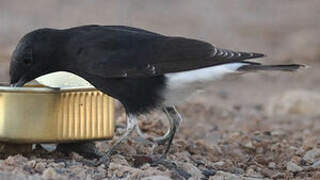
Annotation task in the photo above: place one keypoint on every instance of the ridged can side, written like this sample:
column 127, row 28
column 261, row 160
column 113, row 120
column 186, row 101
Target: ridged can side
column 85, row 115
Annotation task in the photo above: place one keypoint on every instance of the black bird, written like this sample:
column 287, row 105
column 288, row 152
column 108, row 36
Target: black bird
column 142, row 69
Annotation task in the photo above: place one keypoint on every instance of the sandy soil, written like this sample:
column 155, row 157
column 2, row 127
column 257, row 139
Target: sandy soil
column 257, row 126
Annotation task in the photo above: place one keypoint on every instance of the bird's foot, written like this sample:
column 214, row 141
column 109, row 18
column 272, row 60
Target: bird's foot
column 158, row 140
column 174, row 123
column 139, row 160
column 104, row 159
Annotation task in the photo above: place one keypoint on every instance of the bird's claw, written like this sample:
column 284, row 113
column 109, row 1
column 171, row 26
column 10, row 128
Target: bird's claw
column 162, row 160
column 90, row 163
column 105, row 159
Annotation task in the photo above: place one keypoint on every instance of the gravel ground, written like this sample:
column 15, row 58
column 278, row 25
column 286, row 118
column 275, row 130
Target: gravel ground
column 214, row 142
column 257, row 126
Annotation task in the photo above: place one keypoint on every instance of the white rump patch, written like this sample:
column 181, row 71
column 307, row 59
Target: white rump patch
column 183, row 84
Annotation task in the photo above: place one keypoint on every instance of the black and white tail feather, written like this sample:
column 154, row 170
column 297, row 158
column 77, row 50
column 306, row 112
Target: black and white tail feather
column 225, row 55
column 181, row 85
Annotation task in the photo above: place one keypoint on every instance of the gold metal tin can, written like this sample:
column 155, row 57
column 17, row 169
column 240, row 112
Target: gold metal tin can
column 46, row 115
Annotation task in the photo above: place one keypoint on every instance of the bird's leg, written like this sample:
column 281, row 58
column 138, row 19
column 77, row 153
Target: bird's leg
column 176, row 119
column 163, row 139
column 131, row 125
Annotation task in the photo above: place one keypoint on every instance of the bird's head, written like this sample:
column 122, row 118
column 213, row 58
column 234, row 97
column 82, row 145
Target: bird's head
column 32, row 57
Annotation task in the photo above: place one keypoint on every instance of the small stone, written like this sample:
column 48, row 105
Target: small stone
column 119, row 159
column 219, row 163
column 293, row 167
column 296, row 159
column 16, row 160
column 259, row 150
column 209, row 172
column 249, row 145
column 278, row 176
column 120, row 170
column 237, row 171
column 261, row 159
column 156, row 178
column 277, row 133
column 32, row 163
column 15, row 174
column 267, row 172
column 58, row 165
column 300, row 151
column 40, row 167
column 316, row 164
column 82, row 173
column 272, row 165
column 76, row 156
column 49, row 173
column 312, row 155
column 100, row 173
column 220, row 175
column 252, row 173
column 191, row 169
column 49, row 147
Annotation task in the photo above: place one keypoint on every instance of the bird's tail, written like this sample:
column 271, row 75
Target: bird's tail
column 261, row 67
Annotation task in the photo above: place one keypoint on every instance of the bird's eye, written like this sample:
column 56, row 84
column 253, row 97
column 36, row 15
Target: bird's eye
column 27, row 61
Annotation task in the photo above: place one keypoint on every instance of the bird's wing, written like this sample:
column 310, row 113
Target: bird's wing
column 141, row 56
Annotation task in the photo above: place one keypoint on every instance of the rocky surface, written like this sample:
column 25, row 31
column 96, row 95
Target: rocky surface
column 259, row 126
column 247, row 152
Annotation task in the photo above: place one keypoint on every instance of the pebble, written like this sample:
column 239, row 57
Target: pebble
column 40, row 167
column 293, row 167
column 249, row 145
column 312, row 155
column 278, row 176
column 49, row 147
column 316, row 164
column 15, row 160
column 267, row 172
column 237, row 171
column 32, row 163
column 156, row 178
column 220, row 175
column 191, row 169
column 272, row 165
column 100, row 173
column 49, row 173
column 59, row 165
column 209, row 172
column 219, row 163
column 252, row 173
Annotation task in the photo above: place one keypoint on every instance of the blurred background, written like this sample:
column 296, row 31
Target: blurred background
column 287, row 31
column 284, row 31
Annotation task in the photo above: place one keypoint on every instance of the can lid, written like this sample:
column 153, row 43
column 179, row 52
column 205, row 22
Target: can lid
column 62, row 79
